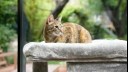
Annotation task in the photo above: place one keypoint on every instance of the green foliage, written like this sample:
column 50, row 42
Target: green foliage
column 112, row 2
column 53, row 62
column 37, row 12
column 10, row 59
column 70, row 7
column 6, row 35
column 94, row 7
column 87, row 9
column 82, row 17
column 78, row 11
column 8, row 10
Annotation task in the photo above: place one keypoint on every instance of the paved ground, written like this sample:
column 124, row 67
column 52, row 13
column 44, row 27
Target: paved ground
column 29, row 68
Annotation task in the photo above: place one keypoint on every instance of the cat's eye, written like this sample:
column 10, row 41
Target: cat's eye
column 56, row 26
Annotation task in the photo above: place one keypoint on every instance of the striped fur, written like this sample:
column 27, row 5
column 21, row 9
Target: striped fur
column 65, row 33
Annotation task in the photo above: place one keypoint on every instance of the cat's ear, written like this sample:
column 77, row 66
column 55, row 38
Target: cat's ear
column 50, row 19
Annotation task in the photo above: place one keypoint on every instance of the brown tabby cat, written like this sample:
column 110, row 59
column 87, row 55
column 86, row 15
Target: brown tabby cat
column 55, row 31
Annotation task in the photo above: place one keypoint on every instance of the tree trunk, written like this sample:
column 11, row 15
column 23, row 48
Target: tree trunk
column 59, row 8
column 113, row 14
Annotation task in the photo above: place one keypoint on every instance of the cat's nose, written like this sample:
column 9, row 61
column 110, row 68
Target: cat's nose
column 56, row 26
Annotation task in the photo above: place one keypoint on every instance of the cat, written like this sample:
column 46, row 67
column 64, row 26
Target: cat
column 56, row 32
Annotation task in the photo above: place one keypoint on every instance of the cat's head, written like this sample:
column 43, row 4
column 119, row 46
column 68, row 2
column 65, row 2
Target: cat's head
column 54, row 26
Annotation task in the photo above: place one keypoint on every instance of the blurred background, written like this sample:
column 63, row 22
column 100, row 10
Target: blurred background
column 8, row 35
column 105, row 19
